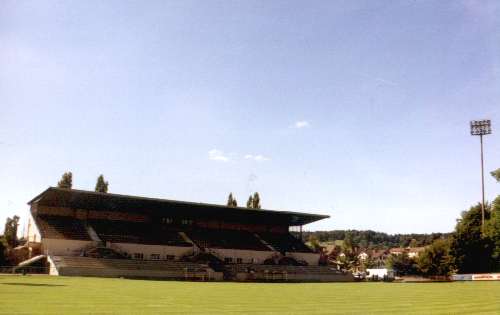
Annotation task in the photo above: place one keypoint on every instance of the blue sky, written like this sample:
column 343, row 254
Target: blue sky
column 356, row 109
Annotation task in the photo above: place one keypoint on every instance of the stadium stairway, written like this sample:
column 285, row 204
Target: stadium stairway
column 257, row 236
column 93, row 235
column 211, row 259
column 30, row 261
column 33, row 261
column 103, row 252
column 186, row 238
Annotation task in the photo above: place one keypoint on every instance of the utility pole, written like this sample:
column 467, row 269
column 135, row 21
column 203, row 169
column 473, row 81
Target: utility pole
column 481, row 128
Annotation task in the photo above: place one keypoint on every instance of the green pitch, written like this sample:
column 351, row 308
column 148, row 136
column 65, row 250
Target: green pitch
column 61, row 295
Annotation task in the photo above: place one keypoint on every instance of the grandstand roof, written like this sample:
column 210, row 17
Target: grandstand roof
column 90, row 200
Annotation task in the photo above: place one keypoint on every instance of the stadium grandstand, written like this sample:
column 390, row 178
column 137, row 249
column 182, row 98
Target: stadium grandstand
column 84, row 233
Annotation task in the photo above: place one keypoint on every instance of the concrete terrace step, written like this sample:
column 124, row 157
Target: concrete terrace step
column 100, row 267
column 284, row 268
column 74, row 261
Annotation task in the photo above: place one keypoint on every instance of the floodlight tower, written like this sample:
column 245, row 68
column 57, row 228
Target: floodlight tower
column 481, row 128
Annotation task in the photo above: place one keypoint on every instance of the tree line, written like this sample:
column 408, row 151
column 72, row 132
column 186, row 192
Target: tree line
column 466, row 250
column 368, row 239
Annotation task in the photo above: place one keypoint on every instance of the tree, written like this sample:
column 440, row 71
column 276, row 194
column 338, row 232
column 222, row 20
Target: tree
column 253, row 202
column 402, row 264
column 436, row 259
column 496, row 174
column 471, row 250
column 10, row 231
column 256, row 201
column 101, row 185
column 348, row 260
column 66, row 181
column 349, row 245
column 413, row 243
column 231, row 201
column 250, row 202
column 367, row 263
column 314, row 243
column 335, row 252
column 493, row 232
column 3, row 258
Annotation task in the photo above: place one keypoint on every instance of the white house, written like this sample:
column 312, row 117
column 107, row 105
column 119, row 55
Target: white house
column 379, row 273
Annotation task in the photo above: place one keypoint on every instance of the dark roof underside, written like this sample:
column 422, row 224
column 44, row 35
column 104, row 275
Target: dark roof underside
column 89, row 200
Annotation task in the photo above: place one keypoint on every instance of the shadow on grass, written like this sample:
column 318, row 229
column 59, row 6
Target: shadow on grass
column 35, row 284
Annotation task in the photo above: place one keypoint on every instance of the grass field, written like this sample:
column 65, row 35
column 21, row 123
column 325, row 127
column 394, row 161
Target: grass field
column 62, row 295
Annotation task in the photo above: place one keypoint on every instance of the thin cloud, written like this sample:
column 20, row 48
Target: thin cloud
column 301, row 124
column 380, row 80
column 217, row 155
column 258, row 157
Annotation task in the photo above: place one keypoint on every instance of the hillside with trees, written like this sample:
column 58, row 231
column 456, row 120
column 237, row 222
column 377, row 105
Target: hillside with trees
column 368, row 239
column 470, row 248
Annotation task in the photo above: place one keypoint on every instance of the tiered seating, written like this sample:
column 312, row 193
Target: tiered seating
column 209, row 238
column 86, row 266
column 136, row 232
column 283, row 269
column 284, row 242
column 102, row 252
column 128, row 264
column 287, row 273
column 52, row 226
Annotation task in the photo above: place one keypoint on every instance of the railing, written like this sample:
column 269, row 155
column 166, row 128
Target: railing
column 195, row 274
column 214, row 253
column 117, row 249
column 265, row 242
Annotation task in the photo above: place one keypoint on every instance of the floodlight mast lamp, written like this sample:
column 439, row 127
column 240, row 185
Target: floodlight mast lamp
column 481, row 128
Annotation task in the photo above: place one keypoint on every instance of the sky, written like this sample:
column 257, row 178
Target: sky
column 355, row 109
